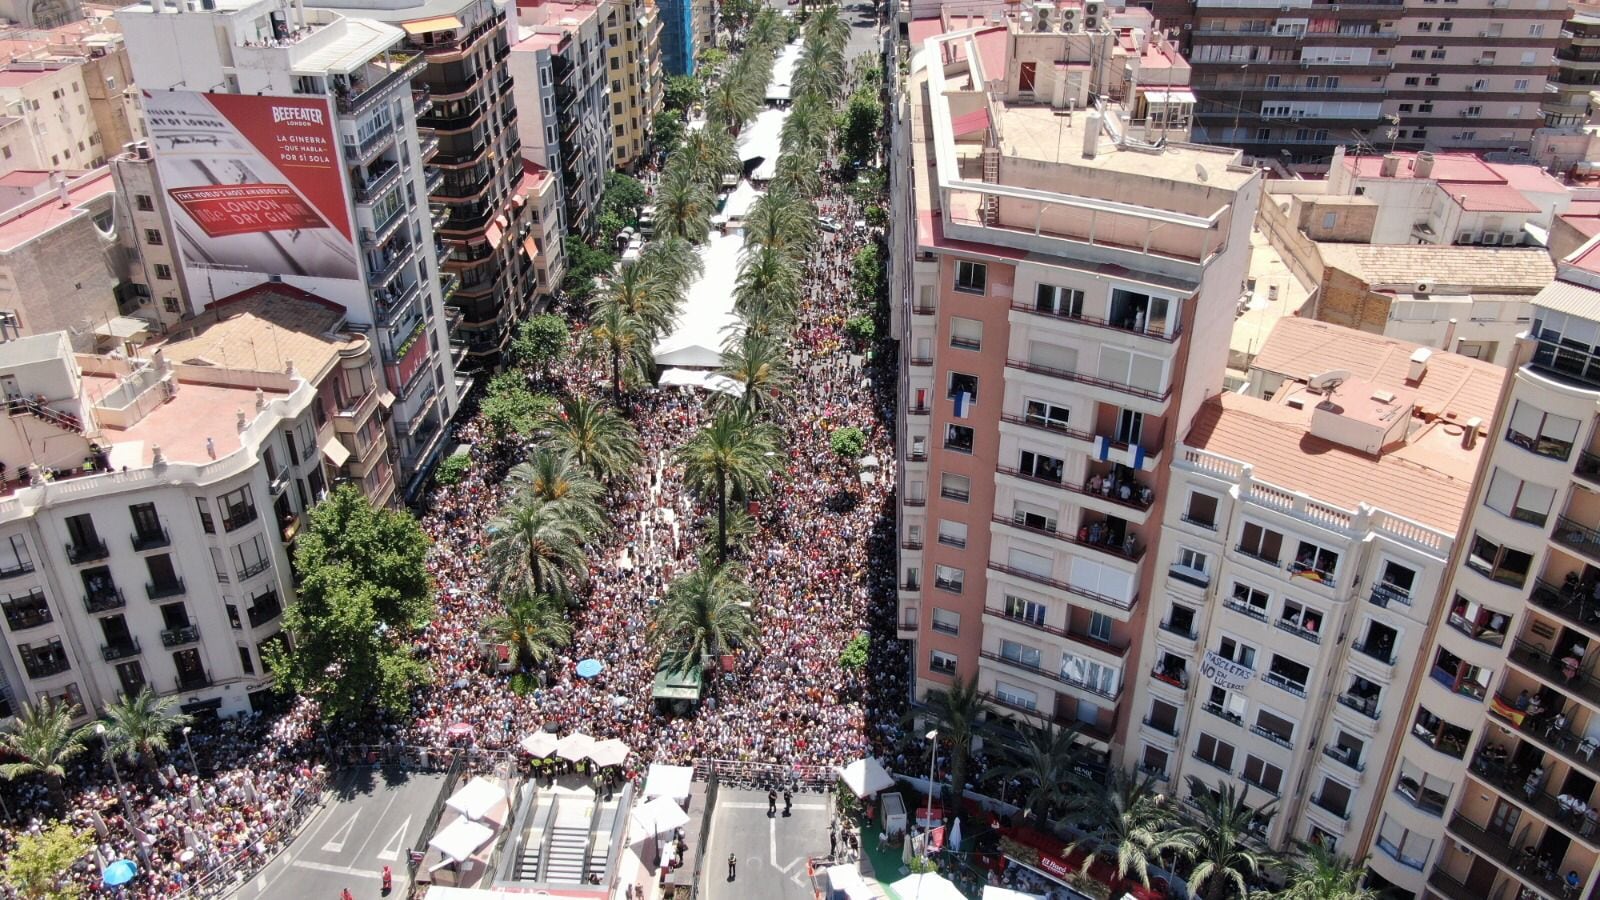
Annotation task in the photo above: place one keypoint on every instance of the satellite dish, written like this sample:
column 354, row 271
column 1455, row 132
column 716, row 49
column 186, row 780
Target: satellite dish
column 1329, row 381
column 1200, row 172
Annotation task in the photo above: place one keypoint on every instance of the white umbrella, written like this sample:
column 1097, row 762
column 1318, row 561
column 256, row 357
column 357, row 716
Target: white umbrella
column 539, row 744
column 668, row 781
column 476, row 798
column 609, row 752
column 660, row 816
column 926, row 886
column 461, row 839
column 955, row 836
column 574, row 746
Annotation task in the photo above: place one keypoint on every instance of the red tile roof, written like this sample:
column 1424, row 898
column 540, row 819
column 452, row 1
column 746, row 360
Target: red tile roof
column 1478, row 197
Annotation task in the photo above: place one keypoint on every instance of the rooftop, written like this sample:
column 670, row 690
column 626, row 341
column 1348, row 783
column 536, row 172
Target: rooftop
column 181, row 427
column 263, row 329
column 32, row 349
column 1039, row 132
column 1506, row 271
column 1478, row 197
column 11, row 78
column 28, row 221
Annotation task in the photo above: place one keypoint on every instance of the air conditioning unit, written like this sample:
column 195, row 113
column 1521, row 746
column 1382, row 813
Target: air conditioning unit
column 1490, row 239
column 1090, row 23
column 1508, row 239
column 1423, row 287
column 1092, row 8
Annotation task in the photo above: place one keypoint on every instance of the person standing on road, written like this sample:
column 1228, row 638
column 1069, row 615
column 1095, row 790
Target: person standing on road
column 772, row 802
column 733, row 867
column 788, row 802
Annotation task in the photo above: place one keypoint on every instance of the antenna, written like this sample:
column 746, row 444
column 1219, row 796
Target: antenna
column 1329, row 381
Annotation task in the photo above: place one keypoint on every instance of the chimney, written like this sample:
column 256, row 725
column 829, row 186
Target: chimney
column 1424, row 165
column 1091, row 135
column 1419, row 364
column 1470, row 438
column 1391, row 165
column 1449, row 335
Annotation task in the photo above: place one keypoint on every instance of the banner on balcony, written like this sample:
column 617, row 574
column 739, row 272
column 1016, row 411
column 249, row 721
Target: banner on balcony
column 253, row 185
column 1224, row 672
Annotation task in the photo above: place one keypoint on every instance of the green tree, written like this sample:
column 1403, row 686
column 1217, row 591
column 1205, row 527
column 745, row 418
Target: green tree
column 855, row 652
column 709, row 155
column 1224, row 862
column 541, row 342
column 705, row 614
column 759, row 363
column 364, row 592
column 138, row 726
column 453, row 469
column 799, row 172
column 1043, row 759
column 593, row 436
column 555, row 480
column 818, row 74
column 535, row 548
column 957, row 714
column 683, row 205
column 509, row 407
column 43, row 740
column 534, row 626
column 858, row 134
column 860, row 328
column 1130, row 825
column 1316, row 873
column 680, row 93
column 809, row 125
column 733, row 453
column 782, row 221
column 668, row 131
column 39, row 867
column 619, row 337
column 768, row 287
column 623, row 196
column 766, row 30
column 827, row 27
column 584, row 265
column 651, row 298
column 674, row 262
column 731, row 103
column 848, row 442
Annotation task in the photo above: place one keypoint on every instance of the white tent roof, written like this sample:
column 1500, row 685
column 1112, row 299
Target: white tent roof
column 574, row 746
column 926, row 886
column 865, row 777
column 778, row 86
column 763, row 137
column 739, row 202
column 540, row 743
column 993, row 892
column 477, row 798
column 461, row 839
column 701, row 378
column 668, row 781
column 659, row 816
column 847, row 878
column 707, row 316
column 609, row 752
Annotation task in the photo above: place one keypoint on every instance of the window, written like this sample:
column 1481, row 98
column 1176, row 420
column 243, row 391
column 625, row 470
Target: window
column 1237, row 651
column 1248, row 600
column 1274, row 727
column 1022, row 654
column 1315, row 563
column 163, row 272
column 949, row 578
column 1190, row 565
column 1503, row 564
column 1059, row 301
column 251, row 557
column 1539, row 432
column 1137, row 370
column 946, row 622
column 1334, row 796
column 1403, row 846
column 1287, row 674
column 1037, row 465
column 245, row 661
column 1524, row 501
column 238, row 508
column 942, row 662
column 1228, row 705
column 1346, row 749
column 14, row 556
column 958, row 438
column 1101, row 679
column 1448, row 739
column 966, row 334
column 1262, row 543
column 1520, row 85
column 1394, row 585
column 1460, row 676
column 1202, row 510
column 1154, row 762
column 204, row 507
column 955, row 487
column 152, row 237
column 1180, row 621
column 1426, row 792
column 1214, row 752
column 143, row 203
column 1024, row 610
column 952, row 534
column 1046, row 415
column 1262, row 774
column 1100, row 627
column 219, row 564
column 1479, row 622
column 1301, row 620
column 971, row 277
column 1018, row 697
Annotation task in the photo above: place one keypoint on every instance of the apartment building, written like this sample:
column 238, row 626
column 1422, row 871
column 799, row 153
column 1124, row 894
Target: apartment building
column 57, row 246
column 1063, row 296
column 1577, row 63
column 58, row 128
column 633, row 38
column 678, row 46
column 1313, row 516
column 151, row 286
column 1491, row 791
column 544, row 244
column 564, row 47
column 320, row 118
column 107, row 77
column 1289, row 81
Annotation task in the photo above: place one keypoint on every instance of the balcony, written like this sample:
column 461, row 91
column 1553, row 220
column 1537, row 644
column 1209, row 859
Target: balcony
column 1298, row 630
column 1187, row 633
column 193, row 682
column 1060, row 678
column 1495, row 847
column 1125, row 326
column 391, row 68
column 120, row 650
column 1576, row 536
column 1107, row 647
column 177, row 637
column 104, row 601
column 1168, row 728
column 1384, row 594
column 164, row 589
column 1332, row 807
column 1087, row 729
column 1344, row 758
column 89, row 550
column 1245, row 609
column 1139, row 501
column 1090, row 380
column 1223, row 713
column 264, row 610
column 1283, row 683
column 377, row 184
column 1064, row 586
column 1514, row 787
column 149, row 540
column 1272, row 736
column 21, row 568
column 1577, row 752
column 46, row 667
column 914, row 501
column 1554, row 672
column 1040, row 423
column 1382, row 652
column 239, row 517
column 1572, row 603
column 28, row 612
column 1081, row 539
column 1367, row 706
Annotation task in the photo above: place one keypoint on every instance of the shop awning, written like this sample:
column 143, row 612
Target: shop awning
column 335, row 450
column 461, row 839
column 494, row 234
column 428, row 26
column 530, row 247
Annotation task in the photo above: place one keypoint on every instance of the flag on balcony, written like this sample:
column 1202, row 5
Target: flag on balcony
column 1102, row 447
column 963, row 404
column 1135, row 457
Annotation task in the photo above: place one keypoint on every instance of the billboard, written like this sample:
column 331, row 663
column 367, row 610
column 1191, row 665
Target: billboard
column 253, row 184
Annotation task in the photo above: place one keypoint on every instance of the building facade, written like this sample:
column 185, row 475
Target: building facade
column 633, row 41
column 677, row 36
column 574, row 38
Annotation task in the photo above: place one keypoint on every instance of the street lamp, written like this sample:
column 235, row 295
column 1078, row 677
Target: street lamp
column 190, row 750
column 127, row 810
column 933, row 754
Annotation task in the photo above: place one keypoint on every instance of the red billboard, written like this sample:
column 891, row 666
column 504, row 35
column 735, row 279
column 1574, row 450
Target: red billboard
column 254, row 183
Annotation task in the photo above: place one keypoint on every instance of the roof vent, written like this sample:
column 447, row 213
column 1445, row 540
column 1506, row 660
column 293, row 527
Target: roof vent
column 1419, row 364
column 1390, row 165
column 1383, row 396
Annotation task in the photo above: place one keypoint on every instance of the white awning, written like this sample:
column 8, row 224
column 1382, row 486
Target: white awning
column 461, row 839
column 700, row 378
column 668, row 781
column 574, row 747
column 662, row 815
column 122, row 327
column 477, row 798
column 926, row 886
column 865, row 777
column 335, row 450
column 539, row 744
column 1170, row 96
column 609, row 752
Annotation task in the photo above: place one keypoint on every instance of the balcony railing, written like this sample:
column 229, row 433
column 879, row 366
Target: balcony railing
column 193, row 682
column 1167, row 728
column 1187, row 634
column 1043, row 424
column 1091, row 380
column 1343, row 757
column 21, row 568
column 1109, row 647
column 1500, row 850
column 1367, row 706
column 164, row 589
column 149, row 540
column 1062, row 678
column 1064, row 586
column 89, row 550
column 1081, row 539
column 44, row 668
column 1272, row 736
column 1342, row 810
column 1154, row 332
column 239, row 517
column 28, row 612
column 264, row 610
column 1572, row 603
column 1283, row 683
column 1380, row 652
column 104, row 601
column 1298, row 630
column 1384, row 594
column 177, row 637
column 1136, row 501
column 119, row 650
column 1221, row 712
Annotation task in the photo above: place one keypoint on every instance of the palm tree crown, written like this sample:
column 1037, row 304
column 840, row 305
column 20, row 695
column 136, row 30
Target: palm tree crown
column 535, row 548
column 760, row 364
column 733, row 453
column 557, row 481
column 138, row 725
column 593, row 436
column 1317, row 873
column 957, row 714
column 43, row 740
column 1130, row 825
column 1224, row 861
column 1043, row 759
column 683, row 205
column 534, row 627
column 705, row 614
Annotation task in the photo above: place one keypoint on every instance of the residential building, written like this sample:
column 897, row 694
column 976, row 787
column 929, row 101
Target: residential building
column 544, row 244
column 1577, row 63
column 632, row 66
column 678, row 46
column 1491, row 790
column 320, row 110
column 144, row 528
column 151, row 285
column 57, row 243
column 1312, row 520
column 1468, row 300
column 573, row 38
column 51, row 99
column 1063, row 295
column 107, row 78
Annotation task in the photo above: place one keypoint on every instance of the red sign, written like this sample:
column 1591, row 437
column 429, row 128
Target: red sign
column 1054, row 866
column 295, row 135
column 246, row 208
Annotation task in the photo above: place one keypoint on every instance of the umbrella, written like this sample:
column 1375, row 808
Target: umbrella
column 119, row 872
column 574, row 746
column 459, row 729
column 539, row 744
column 589, row 668
column 610, row 752
column 660, row 816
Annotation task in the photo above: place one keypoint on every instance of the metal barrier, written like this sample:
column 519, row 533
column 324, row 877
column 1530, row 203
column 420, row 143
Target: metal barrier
column 741, row 773
column 712, row 782
column 239, row 867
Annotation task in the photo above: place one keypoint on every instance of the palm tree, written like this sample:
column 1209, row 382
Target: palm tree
column 532, row 624
column 769, row 280
column 957, row 714
column 705, row 614
column 759, row 363
column 1217, row 840
column 765, row 31
column 683, row 205
column 732, row 102
column 818, row 74
column 1317, row 873
column 43, row 739
column 673, row 261
column 828, row 28
column 644, row 294
column 535, row 548
column 556, row 480
column 1043, row 759
column 708, row 153
column 623, row 339
column 594, row 437
column 799, row 173
column 137, row 726
column 809, row 125
column 733, row 453
column 780, row 220
column 1130, row 825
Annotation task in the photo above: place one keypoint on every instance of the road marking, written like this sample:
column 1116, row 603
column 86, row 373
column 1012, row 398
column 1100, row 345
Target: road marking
column 381, row 816
column 393, row 848
column 261, row 882
column 335, row 844
column 337, row 870
column 772, row 840
column 764, row 806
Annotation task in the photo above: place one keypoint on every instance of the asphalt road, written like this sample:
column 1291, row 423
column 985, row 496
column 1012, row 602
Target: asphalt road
column 373, row 818
column 772, row 852
column 863, row 26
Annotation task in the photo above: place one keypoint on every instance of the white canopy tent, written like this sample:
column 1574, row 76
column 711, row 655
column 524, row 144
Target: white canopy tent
column 574, row 747
column 660, row 816
column 847, row 880
column 707, row 317
column 609, row 752
column 994, row 892
column 539, row 744
column 926, row 886
column 738, row 204
column 780, row 85
column 763, row 138
column 668, row 781
column 865, row 777
column 460, row 839
column 699, row 378
column 476, row 798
